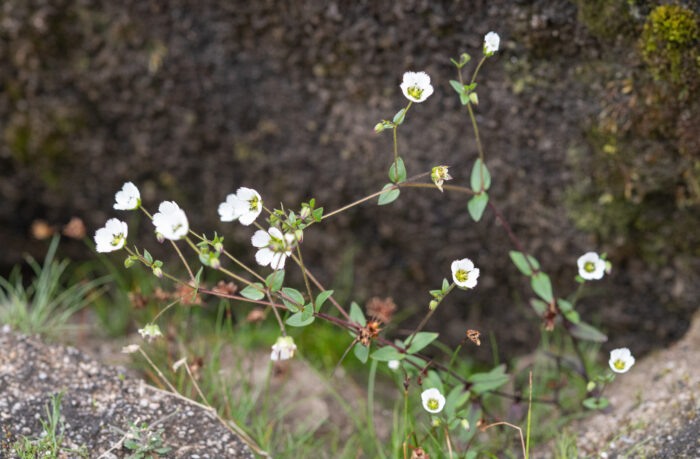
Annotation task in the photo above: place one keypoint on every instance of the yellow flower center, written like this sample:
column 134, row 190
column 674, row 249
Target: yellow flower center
column 254, row 203
column 589, row 267
column 619, row 364
column 415, row 92
column 462, row 275
column 116, row 239
column 433, row 404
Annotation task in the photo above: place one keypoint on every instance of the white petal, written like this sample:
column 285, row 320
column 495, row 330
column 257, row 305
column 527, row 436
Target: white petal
column 248, row 217
column 278, row 260
column 246, row 194
column 260, row 239
column 264, row 256
column 226, row 212
column 276, row 233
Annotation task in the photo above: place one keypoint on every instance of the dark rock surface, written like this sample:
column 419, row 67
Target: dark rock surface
column 97, row 397
column 191, row 100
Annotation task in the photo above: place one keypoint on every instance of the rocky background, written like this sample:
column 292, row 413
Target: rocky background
column 588, row 115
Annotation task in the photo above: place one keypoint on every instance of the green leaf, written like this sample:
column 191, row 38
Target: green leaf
column 387, row 353
column 321, row 298
column 572, row 316
column 457, row 86
column 357, row 315
column 399, row 117
column 318, row 214
column 361, row 352
column 297, row 299
column 564, row 305
column 402, row 171
column 433, row 380
column 275, row 280
column 587, row 332
column 388, row 196
column 542, row 286
column 445, row 285
column 147, row 256
column 539, row 306
column 464, row 98
column 476, row 176
column 298, row 320
column 520, row 262
column 454, row 400
column 420, row 340
column 253, row 293
column 477, row 205
column 592, row 404
column 484, row 382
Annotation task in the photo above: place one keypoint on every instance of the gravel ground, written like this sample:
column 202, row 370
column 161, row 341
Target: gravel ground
column 654, row 408
column 97, row 397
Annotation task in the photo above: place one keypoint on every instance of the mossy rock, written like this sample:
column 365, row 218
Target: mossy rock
column 670, row 44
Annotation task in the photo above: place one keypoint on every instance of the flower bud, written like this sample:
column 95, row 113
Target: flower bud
column 590, row 386
column 219, row 247
column 305, row 213
column 129, row 262
column 433, row 305
column 159, row 237
column 214, row 262
column 379, row 128
column 299, row 234
column 465, row 425
column 157, row 272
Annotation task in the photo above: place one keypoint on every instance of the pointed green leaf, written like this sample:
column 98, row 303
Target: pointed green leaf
column 476, row 176
column 357, row 315
column 457, row 86
column 297, row 320
column 402, row 171
column 321, row 298
column 542, row 286
column 596, row 404
column 421, row 340
column 361, row 352
column 318, row 214
column 293, row 299
column 464, row 98
column 454, row 400
column 572, row 316
column 254, row 293
column 520, row 262
column 587, row 332
column 387, row 353
column 275, row 280
column 539, row 306
column 484, row 382
column 477, row 205
column 564, row 305
column 388, row 196
column 445, row 285
column 147, row 256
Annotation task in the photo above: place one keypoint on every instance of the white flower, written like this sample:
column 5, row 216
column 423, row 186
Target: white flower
column 274, row 247
column 128, row 198
column 150, row 331
column 491, row 42
column 416, row 86
column 283, row 349
column 621, row 360
column 245, row 206
column 591, row 266
column 171, row 221
column 433, row 400
column 393, row 364
column 439, row 175
column 464, row 273
column 112, row 237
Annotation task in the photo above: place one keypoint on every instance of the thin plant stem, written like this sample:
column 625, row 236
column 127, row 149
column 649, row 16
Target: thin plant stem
column 425, row 319
column 165, row 309
column 396, row 143
column 370, row 405
column 520, row 431
column 303, row 272
column 177, row 249
column 277, row 315
column 447, row 439
column 157, row 370
column 332, row 300
column 529, row 418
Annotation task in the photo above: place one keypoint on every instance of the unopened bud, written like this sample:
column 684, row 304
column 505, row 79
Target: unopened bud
column 433, row 305
column 158, row 272
column 160, row 238
column 590, row 386
column 305, row 213
column 299, row 234
column 378, row 128
column 214, row 262
column 465, row 425
column 129, row 262
column 219, row 247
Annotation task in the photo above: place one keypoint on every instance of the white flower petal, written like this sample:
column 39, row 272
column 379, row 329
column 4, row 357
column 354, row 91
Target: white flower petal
column 264, row 256
column 248, row 217
column 276, row 233
column 260, row 239
column 127, row 198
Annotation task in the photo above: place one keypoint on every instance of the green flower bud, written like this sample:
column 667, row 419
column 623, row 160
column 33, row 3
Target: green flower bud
column 433, row 305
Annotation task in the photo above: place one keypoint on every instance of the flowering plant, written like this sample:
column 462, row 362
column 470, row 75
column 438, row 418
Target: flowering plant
column 278, row 242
